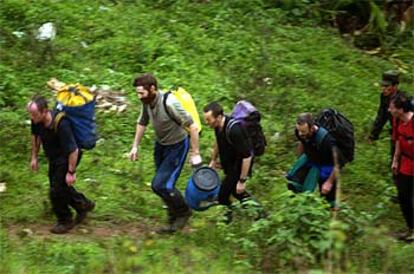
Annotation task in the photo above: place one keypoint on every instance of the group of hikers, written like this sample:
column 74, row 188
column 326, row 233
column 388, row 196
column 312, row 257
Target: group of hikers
column 177, row 134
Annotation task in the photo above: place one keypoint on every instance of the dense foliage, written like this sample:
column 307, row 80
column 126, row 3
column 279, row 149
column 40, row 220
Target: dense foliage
column 218, row 50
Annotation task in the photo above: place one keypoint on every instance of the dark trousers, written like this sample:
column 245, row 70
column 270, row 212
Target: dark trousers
column 405, row 187
column 169, row 160
column 392, row 151
column 229, row 184
column 62, row 196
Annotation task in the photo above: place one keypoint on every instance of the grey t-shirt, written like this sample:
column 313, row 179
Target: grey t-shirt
column 167, row 131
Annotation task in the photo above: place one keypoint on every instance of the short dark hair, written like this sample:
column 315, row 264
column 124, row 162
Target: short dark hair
column 305, row 118
column 402, row 101
column 41, row 102
column 215, row 108
column 146, row 80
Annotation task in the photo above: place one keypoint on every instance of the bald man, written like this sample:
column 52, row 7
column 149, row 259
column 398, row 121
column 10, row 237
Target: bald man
column 63, row 156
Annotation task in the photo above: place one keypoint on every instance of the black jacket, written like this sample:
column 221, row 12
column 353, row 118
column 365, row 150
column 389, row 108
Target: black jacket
column 56, row 144
column 232, row 154
column 383, row 115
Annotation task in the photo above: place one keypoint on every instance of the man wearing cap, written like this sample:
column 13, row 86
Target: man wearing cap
column 389, row 84
column 172, row 144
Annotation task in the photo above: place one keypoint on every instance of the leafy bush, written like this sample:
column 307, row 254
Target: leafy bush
column 298, row 232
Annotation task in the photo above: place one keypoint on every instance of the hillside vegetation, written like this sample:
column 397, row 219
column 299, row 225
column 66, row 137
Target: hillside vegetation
column 218, row 50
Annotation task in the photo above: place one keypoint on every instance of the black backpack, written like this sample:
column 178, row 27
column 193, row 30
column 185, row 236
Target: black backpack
column 341, row 129
column 249, row 117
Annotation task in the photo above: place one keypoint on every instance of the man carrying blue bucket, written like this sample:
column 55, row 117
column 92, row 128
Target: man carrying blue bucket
column 172, row 144
column 234, row 149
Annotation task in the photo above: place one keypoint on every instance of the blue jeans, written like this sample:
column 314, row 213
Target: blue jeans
column 169, row 160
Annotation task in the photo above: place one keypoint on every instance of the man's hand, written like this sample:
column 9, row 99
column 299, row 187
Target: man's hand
column 394, row 167
column 70, row 178
column 34, row 164
column 133, row 154
column 326, row 187
column 240, row 188
column 213, row 164
column 195, row 160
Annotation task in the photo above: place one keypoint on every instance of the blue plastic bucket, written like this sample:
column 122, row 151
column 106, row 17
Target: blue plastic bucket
column 202, row 189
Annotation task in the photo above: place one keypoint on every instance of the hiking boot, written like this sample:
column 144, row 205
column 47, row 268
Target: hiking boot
column 408, row 236
column 168, row 229
column 175, row 223
column 180, row 221
column 171, row 217
column 81, row 214
column 62, row 228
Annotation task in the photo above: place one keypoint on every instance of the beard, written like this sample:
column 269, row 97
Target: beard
column 149, row 99
column 305, row 138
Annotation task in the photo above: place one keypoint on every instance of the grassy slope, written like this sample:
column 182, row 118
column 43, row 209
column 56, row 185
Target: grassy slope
column 217, row 51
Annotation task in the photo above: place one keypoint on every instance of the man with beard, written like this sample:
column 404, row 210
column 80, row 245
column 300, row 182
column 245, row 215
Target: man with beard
column 316, row 147
column 172, row 143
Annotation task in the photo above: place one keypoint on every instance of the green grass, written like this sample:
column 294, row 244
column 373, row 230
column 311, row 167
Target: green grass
column 217, row 51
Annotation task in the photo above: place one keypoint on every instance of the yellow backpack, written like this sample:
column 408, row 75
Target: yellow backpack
column 187, row 103
column 74, row 95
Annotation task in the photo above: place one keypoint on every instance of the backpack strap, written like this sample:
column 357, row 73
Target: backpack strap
column 412, row 121
column 164, row 102
column 320, row 135
column 75, row 90
column 56, row 121
column 229, row 126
